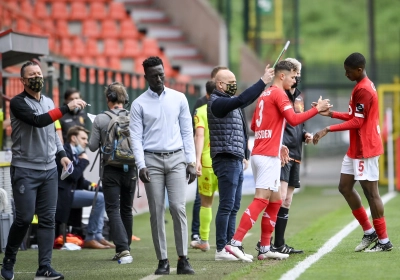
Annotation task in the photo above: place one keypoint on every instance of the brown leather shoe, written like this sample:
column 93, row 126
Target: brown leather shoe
column 106, row 243
column 93, row 244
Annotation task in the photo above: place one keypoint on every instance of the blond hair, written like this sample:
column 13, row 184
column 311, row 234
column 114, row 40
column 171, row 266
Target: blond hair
column 295, row 62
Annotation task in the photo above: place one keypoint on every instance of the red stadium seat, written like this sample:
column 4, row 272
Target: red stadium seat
column 97, row 10
column 78, row 11
column 117, row 11
column 131, row 48
column 111, row 48
column 66, row 47
column 101, row 61
column 79, row 47
column 90, row 28
column 114, row 63
column 128, row 29
column 22, row 26
column 40, row 10
column 150, row 47
column 59, row 10
column 91, row 48
column 62, row 28
column 109, row 29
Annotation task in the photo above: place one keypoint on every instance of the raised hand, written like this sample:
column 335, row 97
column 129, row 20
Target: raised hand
column 268, row 74
column 322, row 104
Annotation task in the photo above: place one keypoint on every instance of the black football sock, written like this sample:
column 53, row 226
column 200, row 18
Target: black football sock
column 280, row 226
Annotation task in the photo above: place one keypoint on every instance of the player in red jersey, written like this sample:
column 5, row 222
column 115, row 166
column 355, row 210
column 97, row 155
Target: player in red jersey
column 361, row 161
column 268, row 123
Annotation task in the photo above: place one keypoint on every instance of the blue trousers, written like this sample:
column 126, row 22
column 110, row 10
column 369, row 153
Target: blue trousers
column 229, row 172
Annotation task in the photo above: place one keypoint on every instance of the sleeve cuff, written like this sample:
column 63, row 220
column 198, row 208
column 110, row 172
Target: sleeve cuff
column 62, row 154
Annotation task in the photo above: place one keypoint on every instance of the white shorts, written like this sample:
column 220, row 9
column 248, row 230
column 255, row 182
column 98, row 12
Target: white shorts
column 266, row 172
column 362, row 169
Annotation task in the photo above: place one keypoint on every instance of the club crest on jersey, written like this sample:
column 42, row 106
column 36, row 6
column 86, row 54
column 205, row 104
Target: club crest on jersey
column 359, row 108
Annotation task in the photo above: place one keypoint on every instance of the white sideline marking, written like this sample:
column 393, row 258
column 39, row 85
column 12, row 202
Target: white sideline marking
column 302, row 266
column 153, row 276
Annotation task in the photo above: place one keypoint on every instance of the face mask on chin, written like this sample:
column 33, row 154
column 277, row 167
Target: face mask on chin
column 78, row 149
column 298, row 80
column 35, row 84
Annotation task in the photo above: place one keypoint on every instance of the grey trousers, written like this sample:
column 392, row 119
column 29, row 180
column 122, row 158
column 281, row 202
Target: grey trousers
column 167, row 172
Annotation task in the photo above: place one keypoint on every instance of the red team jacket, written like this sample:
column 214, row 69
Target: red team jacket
column 362, row 121
column 268, row 123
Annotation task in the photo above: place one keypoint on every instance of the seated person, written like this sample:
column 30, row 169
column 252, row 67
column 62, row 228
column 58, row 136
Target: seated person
column 74, row 191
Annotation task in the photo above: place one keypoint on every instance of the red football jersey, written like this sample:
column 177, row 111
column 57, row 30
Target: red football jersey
column 363, row 121
column 268, row 121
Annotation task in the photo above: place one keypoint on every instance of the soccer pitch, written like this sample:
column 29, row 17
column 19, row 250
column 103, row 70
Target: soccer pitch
column 317, row 214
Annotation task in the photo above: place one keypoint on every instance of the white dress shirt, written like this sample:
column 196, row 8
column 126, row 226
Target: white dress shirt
column 161, row 124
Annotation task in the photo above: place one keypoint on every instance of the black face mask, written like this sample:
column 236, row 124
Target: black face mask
column 36, row 84
column 231, row 89
column 298, row 80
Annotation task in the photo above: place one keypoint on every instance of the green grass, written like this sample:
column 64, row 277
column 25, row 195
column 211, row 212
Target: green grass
column 316, row 215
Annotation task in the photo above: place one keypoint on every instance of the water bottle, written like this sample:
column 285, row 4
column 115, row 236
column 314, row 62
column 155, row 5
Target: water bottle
column 125, row 260
column 8, row 155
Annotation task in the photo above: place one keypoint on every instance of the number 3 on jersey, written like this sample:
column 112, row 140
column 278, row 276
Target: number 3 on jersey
column 261, row 107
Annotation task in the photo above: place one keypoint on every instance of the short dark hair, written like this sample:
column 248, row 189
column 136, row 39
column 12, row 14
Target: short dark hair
column 151, row 62
column 74, row 131
column 355, row 60
column 29, row 63
column 69, row 92
column 216, row 69
column 210, row 86
column 285, row 65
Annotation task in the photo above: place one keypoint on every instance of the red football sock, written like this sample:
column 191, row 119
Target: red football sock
column 249, row 217
column 380, row 227
column 268, row 222
column 361, row 215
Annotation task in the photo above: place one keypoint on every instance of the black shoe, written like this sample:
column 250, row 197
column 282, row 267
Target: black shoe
column 378, row 247
column 163, row 267
column 259, row 244
column 47, row 272
column 366, row 241
column 285, row 249
column 184, row 266
column 7, row 270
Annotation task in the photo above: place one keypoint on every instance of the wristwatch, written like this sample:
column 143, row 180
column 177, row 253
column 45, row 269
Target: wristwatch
column 192, row 164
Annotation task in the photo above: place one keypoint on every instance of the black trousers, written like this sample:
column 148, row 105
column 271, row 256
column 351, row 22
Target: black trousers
column 119, row 189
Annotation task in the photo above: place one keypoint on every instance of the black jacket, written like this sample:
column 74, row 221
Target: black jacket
column 69, row 120
column 294, row 136
column 67, row 186
column 228, row 133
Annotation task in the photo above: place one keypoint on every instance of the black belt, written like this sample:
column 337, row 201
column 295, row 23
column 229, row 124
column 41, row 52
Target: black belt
column 164, row 153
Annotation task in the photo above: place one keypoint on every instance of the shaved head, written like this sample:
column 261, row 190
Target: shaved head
column 224, row 77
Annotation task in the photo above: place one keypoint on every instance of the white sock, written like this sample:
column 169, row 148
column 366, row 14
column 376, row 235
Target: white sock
column 264, row 249
column 383, row 241
column 236, row 243
column 369, row 231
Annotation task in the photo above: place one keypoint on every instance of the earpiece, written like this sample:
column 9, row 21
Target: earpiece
column 112, row 95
